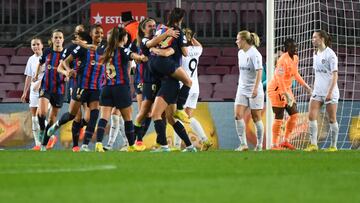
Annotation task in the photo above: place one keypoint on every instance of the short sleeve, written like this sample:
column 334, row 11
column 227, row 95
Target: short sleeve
column 133, row 47
column 42, row 58
column 78, row 52
column 280, row 67
column 199, row 49
column 144, row 41
column 28, row 68
column 257, row 61
column 333, row 62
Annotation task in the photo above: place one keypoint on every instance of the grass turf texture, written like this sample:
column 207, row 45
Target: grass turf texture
column 215, row 176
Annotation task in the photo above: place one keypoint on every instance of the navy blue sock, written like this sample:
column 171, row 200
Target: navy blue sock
column 42, row 122
column 129, row 132
column 46, row 138
column 66, row 117
column 160, row 129
column 76, row 126
column 146, row 124
column 101, row 130
column 182, row 97
column 138, row 130
column 83, row 123
column 180, row 130
column 90, row 128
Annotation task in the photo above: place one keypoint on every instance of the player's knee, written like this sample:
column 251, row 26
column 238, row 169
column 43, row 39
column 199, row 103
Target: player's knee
column 294, row 117
column 256, row 118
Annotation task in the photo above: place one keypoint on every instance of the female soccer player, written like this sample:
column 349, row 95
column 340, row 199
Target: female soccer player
column 166, row 66
column 30, row 71
column 79, row 35
column 52, row 85
column 326, row 91
column 190, row 64
column 281, row 96
column 116, row 91
column 89, row 80
column 250, row 93
column 150, row 85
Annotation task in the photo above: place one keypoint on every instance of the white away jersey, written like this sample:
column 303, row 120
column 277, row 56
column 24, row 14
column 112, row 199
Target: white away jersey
column 249, row 63
column 324, row 64
column 30, row 70
column 190, row 64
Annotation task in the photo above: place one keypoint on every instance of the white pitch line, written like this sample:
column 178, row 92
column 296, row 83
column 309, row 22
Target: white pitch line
column 61, row 170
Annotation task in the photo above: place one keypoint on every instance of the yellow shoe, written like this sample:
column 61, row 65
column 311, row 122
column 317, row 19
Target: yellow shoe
column 99, row 147
column 140, row 146
column 331, row 149
column 311, row 148
column 175, row 149
column 206, row 145
column 131, row 148
column 181, row 115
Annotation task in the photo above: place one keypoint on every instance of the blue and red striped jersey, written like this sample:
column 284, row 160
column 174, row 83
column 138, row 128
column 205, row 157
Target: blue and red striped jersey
column 147, row 75
column 73, row 65
column 91, row 72
column 117, row 69
column 52, row 81
column 139, row 69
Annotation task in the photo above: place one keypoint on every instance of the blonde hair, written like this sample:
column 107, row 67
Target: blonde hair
column 250, row 37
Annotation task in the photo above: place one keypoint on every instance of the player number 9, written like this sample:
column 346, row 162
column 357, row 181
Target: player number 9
column 193, row 65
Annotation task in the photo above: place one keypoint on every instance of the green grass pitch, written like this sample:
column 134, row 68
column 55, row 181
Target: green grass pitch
column 215, row 176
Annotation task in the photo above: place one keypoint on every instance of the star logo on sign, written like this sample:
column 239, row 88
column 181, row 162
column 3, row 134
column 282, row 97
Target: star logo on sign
column 98, row 19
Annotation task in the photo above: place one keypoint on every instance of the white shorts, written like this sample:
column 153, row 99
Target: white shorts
column 34, row 99
column 192, row 100
column 254, row 103
column 321, row 99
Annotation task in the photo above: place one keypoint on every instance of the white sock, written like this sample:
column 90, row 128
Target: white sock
column 114, row 129
column 334, row 128
column 36, row 130
column 240, row 129
column 177, row 141
column 313, row 126
column 259, row 132
column 198, row 130
column 122, row 132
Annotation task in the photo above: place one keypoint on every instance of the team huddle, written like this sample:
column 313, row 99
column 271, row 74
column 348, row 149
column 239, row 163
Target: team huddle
column 164, row 59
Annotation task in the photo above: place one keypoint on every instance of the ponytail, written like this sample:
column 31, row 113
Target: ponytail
column 251, row 38
column 116, row 36
column 255, row 39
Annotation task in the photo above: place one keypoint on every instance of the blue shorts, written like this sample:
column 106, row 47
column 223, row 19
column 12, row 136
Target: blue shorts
column 169, row 90
column 118, row 96
column 150, row 90
column 163, row 66
column 56, row 100
column 138, row 88
column 85, row 95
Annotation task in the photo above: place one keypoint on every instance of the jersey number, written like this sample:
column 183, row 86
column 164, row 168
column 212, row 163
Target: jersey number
column 192, row 66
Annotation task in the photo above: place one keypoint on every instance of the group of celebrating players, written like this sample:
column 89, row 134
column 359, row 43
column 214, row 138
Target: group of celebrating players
column 164, row 58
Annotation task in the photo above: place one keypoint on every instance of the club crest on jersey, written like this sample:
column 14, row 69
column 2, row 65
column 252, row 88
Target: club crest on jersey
column 93, row 62
column 78, row 63
column 49, row 66
column 110, row 71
